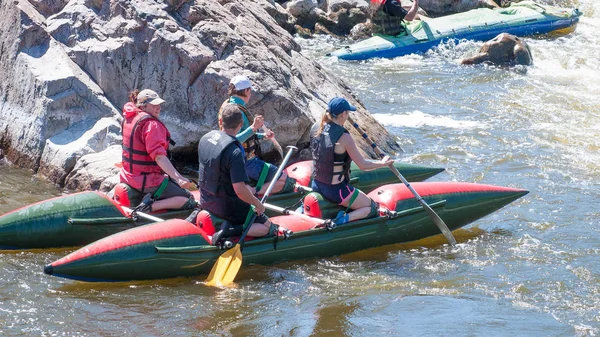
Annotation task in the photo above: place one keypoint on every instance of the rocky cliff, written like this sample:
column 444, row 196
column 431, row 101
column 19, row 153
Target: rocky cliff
column 67, row 67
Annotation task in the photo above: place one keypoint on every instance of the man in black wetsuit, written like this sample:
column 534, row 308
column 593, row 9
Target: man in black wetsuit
column 388, row 15
column 222, row 180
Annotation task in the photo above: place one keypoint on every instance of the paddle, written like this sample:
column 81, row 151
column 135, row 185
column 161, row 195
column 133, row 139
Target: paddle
column 436, row 219
column 229, row 263
column 142, row 214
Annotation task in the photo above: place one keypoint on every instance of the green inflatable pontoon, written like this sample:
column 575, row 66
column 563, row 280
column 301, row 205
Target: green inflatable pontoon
column 80, row 218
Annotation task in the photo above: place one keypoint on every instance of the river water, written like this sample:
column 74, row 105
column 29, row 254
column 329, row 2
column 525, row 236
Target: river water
column 530, row 269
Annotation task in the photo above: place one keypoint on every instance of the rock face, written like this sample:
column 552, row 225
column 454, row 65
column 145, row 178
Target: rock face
column 67, row 67
column 504, row 50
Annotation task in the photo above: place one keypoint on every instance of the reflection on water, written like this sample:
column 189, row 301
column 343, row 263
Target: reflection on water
column 19, row 188
column 530, row 269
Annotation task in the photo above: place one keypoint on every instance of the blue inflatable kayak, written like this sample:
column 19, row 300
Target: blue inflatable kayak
column 520, row 19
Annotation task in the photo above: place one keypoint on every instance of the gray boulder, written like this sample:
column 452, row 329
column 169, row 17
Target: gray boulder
column 504, row 50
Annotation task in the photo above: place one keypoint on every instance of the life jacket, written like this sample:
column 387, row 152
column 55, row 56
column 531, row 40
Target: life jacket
column 135, row 158
column 383, row 23
column 212, row 177
column 251, row 145
column 323, row 153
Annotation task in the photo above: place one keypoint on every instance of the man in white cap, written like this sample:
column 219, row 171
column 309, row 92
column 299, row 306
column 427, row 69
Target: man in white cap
column 145, row 166
column 240, row 90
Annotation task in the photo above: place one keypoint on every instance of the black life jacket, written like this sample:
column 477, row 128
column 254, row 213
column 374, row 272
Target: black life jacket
column 134, row 156
column 385, row 24
column 251, row 145
column 213, row 179
column 323, row 153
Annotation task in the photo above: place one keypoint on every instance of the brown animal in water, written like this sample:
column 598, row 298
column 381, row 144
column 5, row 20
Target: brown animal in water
column 503, row 50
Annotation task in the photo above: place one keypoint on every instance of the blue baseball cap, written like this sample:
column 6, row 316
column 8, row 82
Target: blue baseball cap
column 337, row 105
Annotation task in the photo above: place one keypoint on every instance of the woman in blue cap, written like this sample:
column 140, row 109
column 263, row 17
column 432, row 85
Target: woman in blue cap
column 333, row 149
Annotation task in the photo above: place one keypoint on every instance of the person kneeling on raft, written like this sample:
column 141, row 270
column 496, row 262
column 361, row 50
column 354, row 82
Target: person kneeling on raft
column 333, row 150
column 223, row 178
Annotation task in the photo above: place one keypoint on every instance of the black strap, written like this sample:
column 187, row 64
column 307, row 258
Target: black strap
column 130, row 150
column 144, row 182
column 139, row 162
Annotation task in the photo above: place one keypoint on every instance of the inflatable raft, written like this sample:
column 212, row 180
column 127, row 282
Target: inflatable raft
column 520, row 19
column 80, row 218
column 177, row 248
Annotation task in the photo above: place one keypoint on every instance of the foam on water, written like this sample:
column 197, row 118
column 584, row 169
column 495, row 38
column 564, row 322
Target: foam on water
column 417, row 119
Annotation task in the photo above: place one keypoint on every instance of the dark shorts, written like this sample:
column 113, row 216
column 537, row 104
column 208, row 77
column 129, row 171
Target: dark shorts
column 335, row 193
column 254, row 166
column 172, row 190
column 231, row 209
column 394, row 8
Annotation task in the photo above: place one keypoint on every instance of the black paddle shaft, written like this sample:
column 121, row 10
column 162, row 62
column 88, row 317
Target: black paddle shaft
column 436, row 218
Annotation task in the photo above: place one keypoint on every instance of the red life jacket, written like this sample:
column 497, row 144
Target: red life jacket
column 135, row 158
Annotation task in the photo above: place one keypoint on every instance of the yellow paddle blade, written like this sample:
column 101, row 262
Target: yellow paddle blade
column 234, row 267
column 226, row 267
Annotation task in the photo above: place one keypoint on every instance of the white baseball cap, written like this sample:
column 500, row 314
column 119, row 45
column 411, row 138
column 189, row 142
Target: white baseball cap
column 148, row 96
column 241, row 82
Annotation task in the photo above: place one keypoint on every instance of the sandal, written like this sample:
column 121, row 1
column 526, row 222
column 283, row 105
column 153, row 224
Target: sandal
column 286, row 233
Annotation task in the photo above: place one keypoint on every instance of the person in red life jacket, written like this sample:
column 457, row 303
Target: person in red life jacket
column 333, row 149
column 387, row 15
column 239, row 91
column 145, row 166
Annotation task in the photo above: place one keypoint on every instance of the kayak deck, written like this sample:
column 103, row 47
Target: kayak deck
column 520, row 19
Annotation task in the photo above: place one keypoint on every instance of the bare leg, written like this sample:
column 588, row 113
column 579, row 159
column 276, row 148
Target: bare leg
column 279, row 184
column 360, row 208
column 169, row 203
column 260, row 229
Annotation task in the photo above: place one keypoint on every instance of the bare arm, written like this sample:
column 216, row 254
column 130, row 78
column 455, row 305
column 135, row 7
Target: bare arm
column 412, row 12
column 243, row 193
column 165, row 165
column 365, row 165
